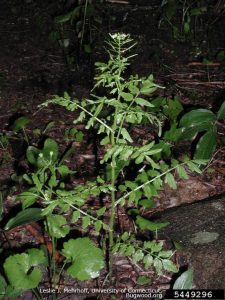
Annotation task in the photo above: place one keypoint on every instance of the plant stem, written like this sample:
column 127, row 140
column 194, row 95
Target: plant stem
column 37, row 294
column 53, row 261
column 83, row 25
column 112, row 217
column 147, row 182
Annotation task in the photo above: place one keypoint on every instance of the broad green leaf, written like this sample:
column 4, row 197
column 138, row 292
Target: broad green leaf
column 147, row 203
column 57, row 226
column 184, row 281
column 127, row 96
column 87, row 259
column 28, row 198
column 105, row 141
column 173, row 134
column 206, row 145
column 3, row 286
column 26, row 216
column 37, row 257
column 143, row 102
column 22, row 272
column 64, row 170
column 32, row 154
column 12, row 293
column 126, row 135
column 50, row 150
column 145, row 224
column 20, row 123
column 143, row 280
column 221, row 112
column 169, row 179
column 174, row 108
column 168, row 265
column 196, row 121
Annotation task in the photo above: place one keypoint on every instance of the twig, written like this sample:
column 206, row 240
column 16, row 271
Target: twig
column 117, row 1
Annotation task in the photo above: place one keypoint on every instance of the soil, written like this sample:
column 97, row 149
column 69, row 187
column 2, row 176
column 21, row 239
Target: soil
column 33, row 68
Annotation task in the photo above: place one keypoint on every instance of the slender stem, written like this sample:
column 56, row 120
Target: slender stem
column 37, row 294
column 83, row 26
column 113, row 170
column 97, row 119
column 53, row 266
column 147, row 182
column 25, row 136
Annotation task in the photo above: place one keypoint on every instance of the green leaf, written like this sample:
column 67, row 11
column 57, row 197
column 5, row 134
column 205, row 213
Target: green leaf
column 181, row 171
column 98, row 225
column 173, row 134
column 221, row 112
column 143, row 280
column 87, row 259
column 101, row 211
column 153, row 246
column 86, row 221
column 50, row 150
column 57, row 226
column 129, row 251
column 25, row 274
column 158, row 266
column 64, row 170
column 168, row 265
column 143, row 102
column 145, row 224
column 206, row 145
column 184, row 281
column 147, row 203
column 148, row 261
column 173, row 109
column 105, row 141
column 28, row 198
column 75, row 216
column 195, row 121
column 126, row 135
column 165, row 253
column 26, row 216
column 20, row 123
column 37, row 257
column 3, row 286
column 186, row 27
column 32, row 154
column 169, row 178
column 127, row 96
column 193, row 167
column 137, row 256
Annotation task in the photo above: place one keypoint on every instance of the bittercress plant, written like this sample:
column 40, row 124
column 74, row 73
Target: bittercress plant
column 124, row 105
column 132, row 173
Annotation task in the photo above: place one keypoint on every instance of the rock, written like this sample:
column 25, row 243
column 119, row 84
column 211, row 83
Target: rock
column 200, row 228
